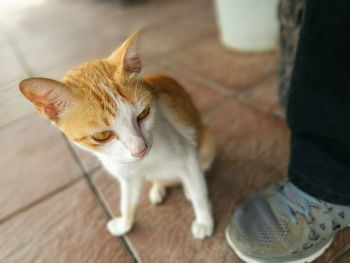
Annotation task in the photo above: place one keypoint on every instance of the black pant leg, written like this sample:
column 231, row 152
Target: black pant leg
column 318, row 112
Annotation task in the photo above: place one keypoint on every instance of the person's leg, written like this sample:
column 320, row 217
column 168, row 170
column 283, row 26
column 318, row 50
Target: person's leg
column 290, row 13
column 296, row 220
column 318, row 110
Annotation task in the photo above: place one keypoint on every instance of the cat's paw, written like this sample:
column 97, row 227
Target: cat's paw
column 202, row 230
column 117, row 226
column 157, row 194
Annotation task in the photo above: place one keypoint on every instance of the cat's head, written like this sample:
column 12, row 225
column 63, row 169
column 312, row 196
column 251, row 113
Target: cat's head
column 102, row 105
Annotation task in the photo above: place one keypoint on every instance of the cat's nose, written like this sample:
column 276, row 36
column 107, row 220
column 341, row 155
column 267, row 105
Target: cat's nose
column 141, row 153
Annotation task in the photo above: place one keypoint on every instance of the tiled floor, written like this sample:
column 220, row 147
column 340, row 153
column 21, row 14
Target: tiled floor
column 55, row 199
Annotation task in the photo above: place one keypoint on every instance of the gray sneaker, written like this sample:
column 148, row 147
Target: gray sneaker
column 283, row 224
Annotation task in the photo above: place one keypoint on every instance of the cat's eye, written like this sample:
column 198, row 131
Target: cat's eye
column 102, row 136
column 143, row 114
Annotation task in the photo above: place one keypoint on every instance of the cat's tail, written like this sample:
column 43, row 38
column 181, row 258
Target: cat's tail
column 206, row 149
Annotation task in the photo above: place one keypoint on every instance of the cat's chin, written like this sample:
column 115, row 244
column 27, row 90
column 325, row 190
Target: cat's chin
column 121, row 159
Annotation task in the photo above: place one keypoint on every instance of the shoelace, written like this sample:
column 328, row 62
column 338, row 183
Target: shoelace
column 305, row 202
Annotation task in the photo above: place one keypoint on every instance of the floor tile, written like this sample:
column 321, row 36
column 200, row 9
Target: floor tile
column 344, row 258
column 252, row 152
column 150, row 15
column 89, row 161
column 10, row 69
column 72, row 43
column 252, row 148
column 64, row 55
column 183, row 30
column 263, row 96
column 60, row 36
column 68, row 227
column 162, row 233
column 13, row 104
column 338, row 247
column 229, row 68
column 35, row 161
column 30, row 23
column 203, row 94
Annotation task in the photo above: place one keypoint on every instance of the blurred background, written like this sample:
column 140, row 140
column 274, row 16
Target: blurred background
column 55, row 199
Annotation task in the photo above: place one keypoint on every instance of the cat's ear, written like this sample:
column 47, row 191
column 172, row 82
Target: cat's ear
column 126, row 56
column 50, row 97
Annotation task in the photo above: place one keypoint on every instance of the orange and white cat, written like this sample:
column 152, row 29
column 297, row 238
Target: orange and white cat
column 139, row 128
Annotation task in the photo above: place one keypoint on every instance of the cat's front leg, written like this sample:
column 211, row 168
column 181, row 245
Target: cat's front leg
column 196, row 188
column 130, row 193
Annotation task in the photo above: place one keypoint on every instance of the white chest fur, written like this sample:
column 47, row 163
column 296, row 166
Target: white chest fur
column 173, row 158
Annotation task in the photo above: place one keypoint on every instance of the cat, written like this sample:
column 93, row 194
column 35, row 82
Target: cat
column 139, row 127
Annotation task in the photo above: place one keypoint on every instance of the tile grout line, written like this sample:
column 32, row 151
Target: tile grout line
column 237, row 97
column 41, row 199
column 197, row 77
column 340, row 257
column 231, row 94
column 259, row 82
column 269, row 113
column 234, row 95
column 98, row 197
column 211, row 83
column 21, row 59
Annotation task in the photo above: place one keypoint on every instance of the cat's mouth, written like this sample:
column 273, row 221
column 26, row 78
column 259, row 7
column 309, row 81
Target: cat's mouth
column 141, row 153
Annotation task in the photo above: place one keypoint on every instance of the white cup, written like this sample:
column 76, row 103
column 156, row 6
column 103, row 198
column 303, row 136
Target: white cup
column 248, row 25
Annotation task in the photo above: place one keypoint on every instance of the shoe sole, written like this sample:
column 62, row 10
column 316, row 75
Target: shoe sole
column 248, row 259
